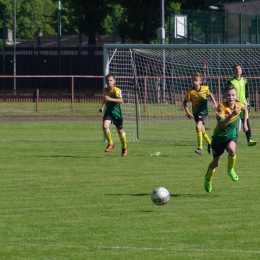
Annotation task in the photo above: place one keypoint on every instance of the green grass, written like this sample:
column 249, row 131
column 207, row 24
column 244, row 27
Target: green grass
column 91, row 109
column 62, row 197
column 48, row 109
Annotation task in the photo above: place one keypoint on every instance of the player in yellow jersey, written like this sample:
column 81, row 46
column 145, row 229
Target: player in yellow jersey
column 113, row 113
column 225, row 134
column 198, row 96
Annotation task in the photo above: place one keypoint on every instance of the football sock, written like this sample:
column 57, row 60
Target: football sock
column 210, row 173
column 248, row 132
column 108, row 136
column 248, row 135
column 199, row 137
column 123, row 140
column 232, row 161
column 206, row 137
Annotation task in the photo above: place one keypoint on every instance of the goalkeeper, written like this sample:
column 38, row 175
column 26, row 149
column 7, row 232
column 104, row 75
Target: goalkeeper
column 198, row 95
column 113, row 113
column 225, row 134
column 241, row 86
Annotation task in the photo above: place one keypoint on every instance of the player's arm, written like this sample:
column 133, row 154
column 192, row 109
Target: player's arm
column 245, row 111
column 247, row 97
column 213, row 100
column 102, row 106
column 223, row 122
column 189, row 115
column 107, row 98
column 116, row 100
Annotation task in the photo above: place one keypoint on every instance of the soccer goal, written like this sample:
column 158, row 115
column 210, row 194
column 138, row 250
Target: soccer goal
column 154, row 80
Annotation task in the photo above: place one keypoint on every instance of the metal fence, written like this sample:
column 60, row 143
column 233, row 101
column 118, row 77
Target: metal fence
column 194, row 27
column 187, row 27
column 45, row 60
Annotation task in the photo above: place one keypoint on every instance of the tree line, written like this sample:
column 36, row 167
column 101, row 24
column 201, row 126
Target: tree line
column 137, row 20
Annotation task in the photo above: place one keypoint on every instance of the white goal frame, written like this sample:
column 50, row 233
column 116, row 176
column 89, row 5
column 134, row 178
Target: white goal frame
column 215, row 73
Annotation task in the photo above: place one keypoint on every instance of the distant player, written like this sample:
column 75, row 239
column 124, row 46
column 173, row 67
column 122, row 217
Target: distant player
column 241, row 86
column 113, row 113
column 198, row 96
column 225, row 134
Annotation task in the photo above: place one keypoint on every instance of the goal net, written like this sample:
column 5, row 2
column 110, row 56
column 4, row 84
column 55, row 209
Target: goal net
column 154, row 80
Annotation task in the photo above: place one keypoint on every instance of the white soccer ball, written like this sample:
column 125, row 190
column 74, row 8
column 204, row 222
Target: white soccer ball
column 160, row 196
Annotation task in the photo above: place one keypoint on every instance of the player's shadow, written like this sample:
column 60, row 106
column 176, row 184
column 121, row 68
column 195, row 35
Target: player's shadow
column 66, row 156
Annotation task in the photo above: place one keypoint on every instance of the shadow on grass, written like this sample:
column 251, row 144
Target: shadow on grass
column 172, row 195
column 67, row 156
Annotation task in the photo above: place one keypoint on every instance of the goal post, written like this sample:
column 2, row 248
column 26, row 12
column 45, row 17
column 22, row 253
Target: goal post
column 155, row 77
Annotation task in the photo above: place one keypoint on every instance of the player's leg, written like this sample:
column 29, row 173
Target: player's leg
column 119, row 126
column 248, row 133
column 210, row 172
column 107, row 133
column 206, row 138
column 218, row 150
column 199, row 125
column 205, row 135
column 231, row 149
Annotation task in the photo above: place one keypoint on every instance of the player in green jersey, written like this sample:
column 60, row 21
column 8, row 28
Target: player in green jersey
column 225, row 134
column 240, row 83
column 111, row 106
column 198, row 96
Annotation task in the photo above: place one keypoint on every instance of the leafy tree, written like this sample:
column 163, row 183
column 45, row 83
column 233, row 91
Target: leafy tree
column 31, row 16
column 143, row 19
column 135, row 19
column 86, row 17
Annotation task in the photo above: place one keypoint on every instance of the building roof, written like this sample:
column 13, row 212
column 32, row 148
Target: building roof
column 251, row 7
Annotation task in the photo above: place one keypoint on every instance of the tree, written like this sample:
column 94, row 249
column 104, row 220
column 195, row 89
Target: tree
column 86, row 17
column 31, row 16
column 142, row 19
column 135, row 19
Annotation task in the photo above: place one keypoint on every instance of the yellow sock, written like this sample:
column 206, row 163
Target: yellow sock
column 123, row 140
column 108, row 136
column 232, row 161
column 210, row 173
column 206, row 137
column 199, row 137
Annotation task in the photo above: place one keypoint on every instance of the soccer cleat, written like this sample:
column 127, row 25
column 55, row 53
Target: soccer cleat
column 207, row 185
column 199, row 151
column 251, row 143
column 124, row 152
column 232, row 174
column 209, row 149
column 109, row 148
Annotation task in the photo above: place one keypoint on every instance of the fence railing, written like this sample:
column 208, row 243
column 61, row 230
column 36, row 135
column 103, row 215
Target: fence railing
column 147, row 93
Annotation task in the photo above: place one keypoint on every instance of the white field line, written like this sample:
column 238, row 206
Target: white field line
column 135, row 248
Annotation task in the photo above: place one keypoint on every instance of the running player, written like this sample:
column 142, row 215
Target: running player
column 113, row 114
column 198, row 95
column 225, row 134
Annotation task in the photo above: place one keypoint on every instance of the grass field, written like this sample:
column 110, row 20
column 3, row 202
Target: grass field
column 62, row 197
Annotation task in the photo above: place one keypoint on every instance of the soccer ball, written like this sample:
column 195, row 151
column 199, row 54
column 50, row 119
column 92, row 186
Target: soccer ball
column 160, row 196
